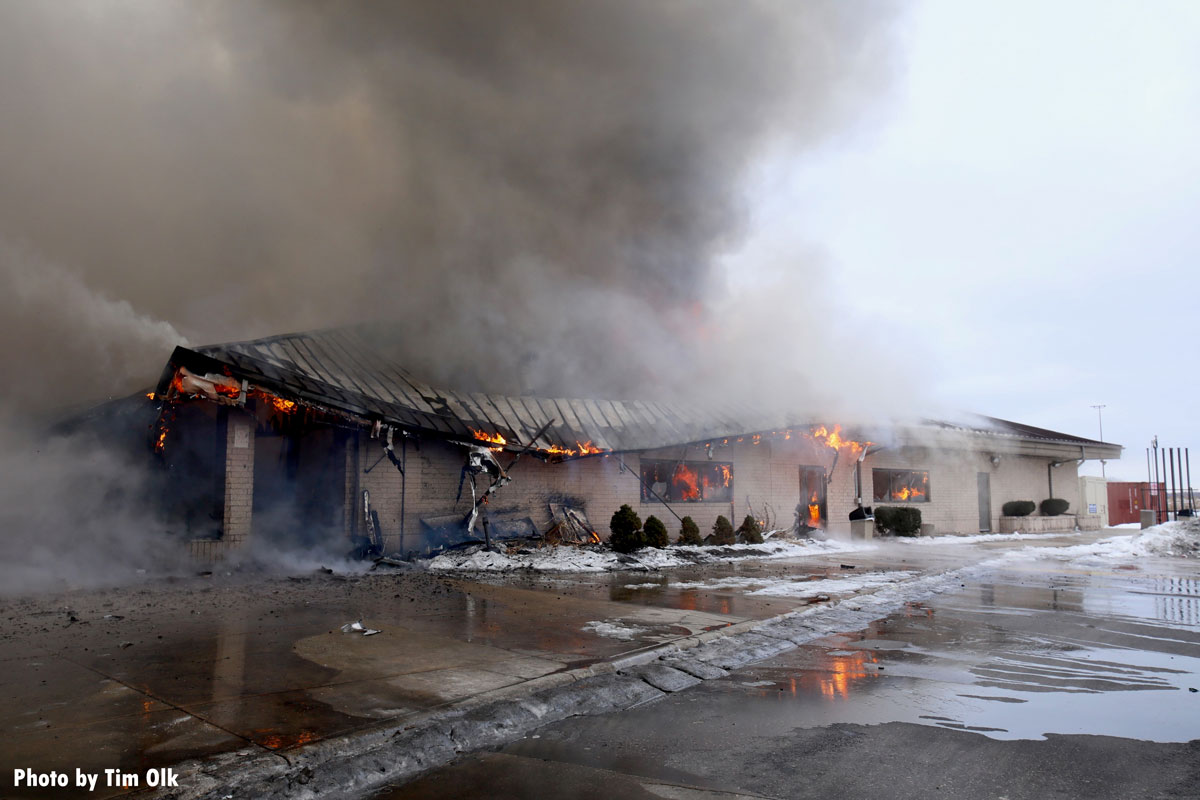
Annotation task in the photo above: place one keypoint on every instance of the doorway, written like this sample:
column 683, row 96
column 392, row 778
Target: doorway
column 984, row 482
column 813, row 512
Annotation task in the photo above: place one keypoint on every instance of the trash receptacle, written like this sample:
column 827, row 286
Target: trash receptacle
column 1148, row 515
column 862, row 529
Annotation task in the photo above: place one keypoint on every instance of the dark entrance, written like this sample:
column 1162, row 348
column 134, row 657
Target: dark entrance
column 300, row 487
column 812, row 496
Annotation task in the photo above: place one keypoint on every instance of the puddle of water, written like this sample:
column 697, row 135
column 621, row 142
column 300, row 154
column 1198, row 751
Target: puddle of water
column 1007, row 660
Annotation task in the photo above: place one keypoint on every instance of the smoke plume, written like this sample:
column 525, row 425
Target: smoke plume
column 533, row 191
column 538, row 196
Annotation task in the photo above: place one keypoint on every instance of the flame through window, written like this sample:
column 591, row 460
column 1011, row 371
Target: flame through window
column 901, row 485
column 687, row 481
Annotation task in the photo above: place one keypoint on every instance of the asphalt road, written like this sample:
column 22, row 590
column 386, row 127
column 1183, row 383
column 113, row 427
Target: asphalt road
column 1043, row 680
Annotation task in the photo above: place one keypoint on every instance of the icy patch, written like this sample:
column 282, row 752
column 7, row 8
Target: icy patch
column 591, row 559
column 834, row 586
column 721, row 583
column 789, row 587
column 613, row 629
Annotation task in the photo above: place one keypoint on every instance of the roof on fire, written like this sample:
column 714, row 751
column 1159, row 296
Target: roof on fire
column 339, row 368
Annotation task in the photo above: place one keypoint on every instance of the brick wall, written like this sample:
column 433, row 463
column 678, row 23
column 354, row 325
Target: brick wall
column 953, row 506
column 766, row 476
column 239, row 478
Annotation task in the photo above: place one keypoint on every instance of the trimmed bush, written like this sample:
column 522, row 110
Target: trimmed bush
column 655, row 532
column 901, row 521
column 1018, row 508
column 690, row 532
column 750, row 532
column 722, row 532
column 1054, row 506
column 626, row 530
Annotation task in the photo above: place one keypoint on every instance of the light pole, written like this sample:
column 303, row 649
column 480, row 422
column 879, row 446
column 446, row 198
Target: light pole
column 1100, row 418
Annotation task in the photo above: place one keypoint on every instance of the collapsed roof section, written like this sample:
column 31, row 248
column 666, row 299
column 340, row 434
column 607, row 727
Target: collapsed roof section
column 339, row 370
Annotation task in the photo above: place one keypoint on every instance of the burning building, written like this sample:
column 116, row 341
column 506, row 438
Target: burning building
column 320, row 438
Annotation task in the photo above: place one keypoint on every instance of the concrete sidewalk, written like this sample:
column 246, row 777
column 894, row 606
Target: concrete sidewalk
column 171, row 672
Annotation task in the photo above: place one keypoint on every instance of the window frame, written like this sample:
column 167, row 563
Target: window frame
column 698, row 467
column 914, row 475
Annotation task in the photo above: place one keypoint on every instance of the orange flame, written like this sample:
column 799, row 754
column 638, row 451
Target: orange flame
column 278, row 403
column 580, row 449
column 814, row 511
column 686, row 483
column 818, row 433
column 494, row 438
column 913, row 492
column 833, row 439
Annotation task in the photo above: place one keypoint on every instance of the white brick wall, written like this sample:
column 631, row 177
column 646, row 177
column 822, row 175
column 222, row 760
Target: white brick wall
column 764, row 473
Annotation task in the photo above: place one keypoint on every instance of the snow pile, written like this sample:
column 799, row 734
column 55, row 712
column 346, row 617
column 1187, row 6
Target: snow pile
column 591, row 559
column 1170, row 540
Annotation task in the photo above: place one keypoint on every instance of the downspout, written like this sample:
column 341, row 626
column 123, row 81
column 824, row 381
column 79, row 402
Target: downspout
column 858, row 480
column 1050, row 475
column 858, row 483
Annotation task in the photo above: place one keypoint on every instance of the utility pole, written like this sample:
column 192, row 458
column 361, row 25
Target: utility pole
column 1100, row 417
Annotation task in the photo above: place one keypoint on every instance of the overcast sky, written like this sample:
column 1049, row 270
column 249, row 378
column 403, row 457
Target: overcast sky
column 1020, row 219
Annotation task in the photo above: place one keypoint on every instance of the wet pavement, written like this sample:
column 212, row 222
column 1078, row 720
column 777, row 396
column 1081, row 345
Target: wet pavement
column 1044, row 679
column 153, row 675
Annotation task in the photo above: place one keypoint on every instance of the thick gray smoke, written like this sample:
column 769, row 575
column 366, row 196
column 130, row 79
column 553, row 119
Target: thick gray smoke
column 533, row 188
column 535, row 193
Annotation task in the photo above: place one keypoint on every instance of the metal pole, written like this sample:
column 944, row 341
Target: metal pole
column 1149, row 475
column 1182, row 489
column 655, row 494
column 1100, row 417
column 403, row 489
column 1191, row 497
column 1160, row 482
column 1157, row 498
column 1173, row 498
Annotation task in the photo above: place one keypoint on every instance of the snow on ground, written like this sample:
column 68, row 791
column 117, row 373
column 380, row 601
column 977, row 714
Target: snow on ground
column 613, row 629
column 1170, row 540
column 590, row 559
column 977, row 537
